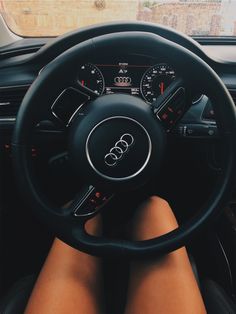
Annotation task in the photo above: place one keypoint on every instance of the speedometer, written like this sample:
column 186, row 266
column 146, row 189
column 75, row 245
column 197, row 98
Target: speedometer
column 91, row 77
column 155, row 80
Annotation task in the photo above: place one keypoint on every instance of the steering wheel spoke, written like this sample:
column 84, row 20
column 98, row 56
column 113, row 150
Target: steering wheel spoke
column 172, row 104
column 70, row 102
column 89, row 201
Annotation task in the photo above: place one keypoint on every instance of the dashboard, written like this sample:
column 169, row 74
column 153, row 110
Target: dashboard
column 146, row 77
column 139, row 76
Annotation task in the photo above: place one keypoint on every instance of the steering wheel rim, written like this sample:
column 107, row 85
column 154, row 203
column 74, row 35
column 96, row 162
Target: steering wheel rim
column 72, row 231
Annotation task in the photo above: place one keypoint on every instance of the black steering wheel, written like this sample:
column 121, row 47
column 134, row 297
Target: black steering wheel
column 117, row 142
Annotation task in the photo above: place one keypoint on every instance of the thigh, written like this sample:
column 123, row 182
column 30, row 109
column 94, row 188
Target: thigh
column 69, row 282
column 167, row 284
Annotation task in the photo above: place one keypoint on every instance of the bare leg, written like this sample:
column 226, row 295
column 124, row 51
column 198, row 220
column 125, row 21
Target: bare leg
column 166, row 285
column 69, row 282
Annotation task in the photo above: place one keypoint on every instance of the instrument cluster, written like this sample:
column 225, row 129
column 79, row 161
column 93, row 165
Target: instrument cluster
column 140, row 76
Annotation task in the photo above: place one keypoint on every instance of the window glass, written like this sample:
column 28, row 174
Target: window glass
column 55, row 17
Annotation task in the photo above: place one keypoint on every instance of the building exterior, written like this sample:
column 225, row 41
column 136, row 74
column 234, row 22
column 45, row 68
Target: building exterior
column 190, row 17
column 55, row 17
column 234, row 33
column 144, row 13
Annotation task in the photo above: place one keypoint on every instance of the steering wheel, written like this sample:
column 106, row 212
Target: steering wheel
column 117, row 142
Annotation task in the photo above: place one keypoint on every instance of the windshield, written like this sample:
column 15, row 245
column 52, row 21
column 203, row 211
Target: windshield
column 53, row 17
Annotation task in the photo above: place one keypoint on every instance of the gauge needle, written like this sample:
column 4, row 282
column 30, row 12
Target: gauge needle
column 82, row 82
column 162, row 87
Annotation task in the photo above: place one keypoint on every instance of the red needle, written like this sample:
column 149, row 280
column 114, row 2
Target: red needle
column 82, row 82
column 162, row 87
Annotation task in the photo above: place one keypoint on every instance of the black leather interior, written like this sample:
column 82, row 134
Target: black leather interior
column 16, row 299
column 216, row 299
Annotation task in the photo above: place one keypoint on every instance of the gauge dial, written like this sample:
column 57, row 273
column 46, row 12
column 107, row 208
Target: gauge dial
column 155, row 80
column 91, row 77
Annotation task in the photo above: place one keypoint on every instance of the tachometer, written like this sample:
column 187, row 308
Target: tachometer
column 91, row 77
column 155, row 80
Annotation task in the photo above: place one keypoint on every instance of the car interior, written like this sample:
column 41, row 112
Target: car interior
column 103, row 117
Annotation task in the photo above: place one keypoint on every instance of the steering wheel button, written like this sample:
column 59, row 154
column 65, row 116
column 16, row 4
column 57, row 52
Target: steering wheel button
column 211, row 132
column 208, row 112
column 164, row 116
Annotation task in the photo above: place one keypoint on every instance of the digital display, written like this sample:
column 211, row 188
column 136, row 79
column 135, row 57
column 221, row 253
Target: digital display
column 122, row 77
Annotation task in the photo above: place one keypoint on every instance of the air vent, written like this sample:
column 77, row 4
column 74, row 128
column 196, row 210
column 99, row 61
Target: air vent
column 233, row 94
column 10, row 100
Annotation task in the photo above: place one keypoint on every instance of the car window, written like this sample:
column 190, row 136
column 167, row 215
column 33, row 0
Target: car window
column 52, row 17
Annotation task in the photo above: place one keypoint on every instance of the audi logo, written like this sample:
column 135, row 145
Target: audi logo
column 118, row 151
column 122, row 79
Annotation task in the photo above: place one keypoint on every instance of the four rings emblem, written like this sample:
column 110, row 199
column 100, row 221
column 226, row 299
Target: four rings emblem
column 118, row 151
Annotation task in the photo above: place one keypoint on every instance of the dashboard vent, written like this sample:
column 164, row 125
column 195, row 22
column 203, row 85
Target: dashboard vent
column 233, row 94
column 10, row 100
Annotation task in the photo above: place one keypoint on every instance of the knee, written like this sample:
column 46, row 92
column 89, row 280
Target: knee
column 156, row 207
column 153, row 218
column 158, row 202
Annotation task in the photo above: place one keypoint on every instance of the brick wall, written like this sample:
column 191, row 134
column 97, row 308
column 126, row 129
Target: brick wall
column 190, row 18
